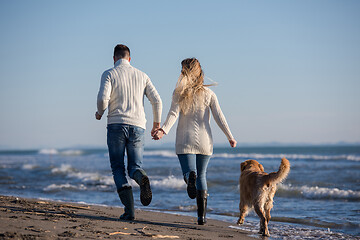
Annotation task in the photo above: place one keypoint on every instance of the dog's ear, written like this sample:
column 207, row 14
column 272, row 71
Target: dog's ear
column 261, row 167
column 242, row 166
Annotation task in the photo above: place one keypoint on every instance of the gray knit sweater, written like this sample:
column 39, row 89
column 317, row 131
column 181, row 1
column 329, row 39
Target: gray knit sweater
column 122, row 91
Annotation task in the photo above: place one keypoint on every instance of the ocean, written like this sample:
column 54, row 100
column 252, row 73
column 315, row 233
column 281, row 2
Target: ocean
column 320, row 199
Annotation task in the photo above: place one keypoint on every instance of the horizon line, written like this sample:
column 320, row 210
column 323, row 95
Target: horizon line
column 172, row 145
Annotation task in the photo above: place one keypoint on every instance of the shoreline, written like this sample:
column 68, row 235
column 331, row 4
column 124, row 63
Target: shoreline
column 23, row 218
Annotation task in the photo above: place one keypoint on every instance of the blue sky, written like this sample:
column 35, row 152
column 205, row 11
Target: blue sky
column 287, row 71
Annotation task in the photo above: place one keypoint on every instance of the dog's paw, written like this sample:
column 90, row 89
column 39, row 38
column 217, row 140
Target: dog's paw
column 240, row 221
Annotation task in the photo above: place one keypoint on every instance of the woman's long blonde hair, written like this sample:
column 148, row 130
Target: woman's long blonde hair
column 190, row 86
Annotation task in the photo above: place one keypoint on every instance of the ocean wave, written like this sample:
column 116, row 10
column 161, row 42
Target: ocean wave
column 72, row 152
column 161, row 153
column 169, row 182
column 289, row 156
column 68, row 152
column 318, row 192
column 353, row 158
column 48, row 151
column 63, row 169
column 66, row 186
column 29, row 166
column 104, row 181
column 92, row 178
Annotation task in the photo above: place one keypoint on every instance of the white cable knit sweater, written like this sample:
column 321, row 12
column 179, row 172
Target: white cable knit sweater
column 193, row 134
column 122, row 90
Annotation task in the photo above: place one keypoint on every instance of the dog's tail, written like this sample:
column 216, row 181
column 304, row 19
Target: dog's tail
column 279, row 176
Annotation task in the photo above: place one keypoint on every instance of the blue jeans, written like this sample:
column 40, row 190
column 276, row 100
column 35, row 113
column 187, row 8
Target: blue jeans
column 197, row 163
column 121, row 137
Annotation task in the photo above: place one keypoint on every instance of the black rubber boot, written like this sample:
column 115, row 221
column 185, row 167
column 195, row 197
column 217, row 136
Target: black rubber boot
column 191, row 185
column 201, row 200
column 145, row 189
column 126, row 197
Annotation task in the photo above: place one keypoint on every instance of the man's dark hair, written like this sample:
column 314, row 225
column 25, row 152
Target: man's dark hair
column 121, row 51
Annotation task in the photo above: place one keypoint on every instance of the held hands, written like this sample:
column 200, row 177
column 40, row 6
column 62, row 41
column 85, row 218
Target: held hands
column 156, row 131
column 158, row 134
column 156, row 126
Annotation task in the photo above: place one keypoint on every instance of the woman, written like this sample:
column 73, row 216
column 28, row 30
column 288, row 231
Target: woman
column 192, row 102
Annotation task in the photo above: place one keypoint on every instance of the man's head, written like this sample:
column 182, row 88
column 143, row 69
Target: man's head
column 121, row 52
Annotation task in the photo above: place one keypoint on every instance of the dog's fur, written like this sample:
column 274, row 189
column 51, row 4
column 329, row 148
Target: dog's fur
column 257, row 190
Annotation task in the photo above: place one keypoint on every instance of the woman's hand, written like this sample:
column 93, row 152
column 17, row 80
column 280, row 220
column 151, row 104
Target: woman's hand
column 156, row 126
column 158, row 134
column 233, row 142
column 98, row 116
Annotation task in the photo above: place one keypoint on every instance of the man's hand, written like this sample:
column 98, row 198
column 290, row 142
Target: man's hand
column 233, row 142
column 156, row 126
column 158, row 134
column 98, row 116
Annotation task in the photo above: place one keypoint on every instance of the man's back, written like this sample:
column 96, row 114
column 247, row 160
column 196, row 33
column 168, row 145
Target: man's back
column 122, row 91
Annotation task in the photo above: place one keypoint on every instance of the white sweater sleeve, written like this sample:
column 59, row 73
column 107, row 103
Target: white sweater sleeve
column 219, row 116
column 155, row 100
column 104, row 93
column 172, row 115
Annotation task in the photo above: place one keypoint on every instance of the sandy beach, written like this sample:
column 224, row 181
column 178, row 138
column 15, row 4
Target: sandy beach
column 38, row 219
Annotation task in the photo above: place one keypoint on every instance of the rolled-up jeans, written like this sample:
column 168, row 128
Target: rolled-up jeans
column 197, row 163
column 121, row 137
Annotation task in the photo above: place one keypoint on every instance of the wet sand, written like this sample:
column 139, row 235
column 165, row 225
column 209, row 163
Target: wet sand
column 39, row 219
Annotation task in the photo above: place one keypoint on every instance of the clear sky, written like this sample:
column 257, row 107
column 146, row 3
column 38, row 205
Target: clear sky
column 287, row 71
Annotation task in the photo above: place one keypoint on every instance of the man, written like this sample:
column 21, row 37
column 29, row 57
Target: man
column 122, row 91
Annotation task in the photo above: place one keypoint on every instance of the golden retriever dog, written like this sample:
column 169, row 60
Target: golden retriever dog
column 257, row 189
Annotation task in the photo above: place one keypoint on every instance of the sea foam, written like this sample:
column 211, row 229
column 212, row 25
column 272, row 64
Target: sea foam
column 160, row 153
column 66, row 186
column 319, row 192
column 92, row 178
column 72, row 152
column 29, row 166
column 63, row 169
column 169, row 182
column 51, row 151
